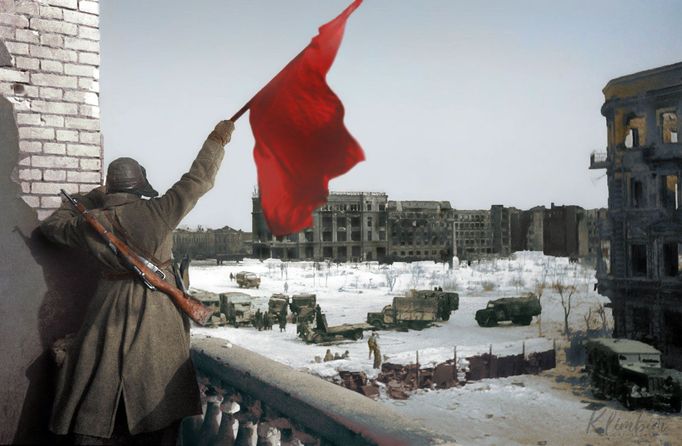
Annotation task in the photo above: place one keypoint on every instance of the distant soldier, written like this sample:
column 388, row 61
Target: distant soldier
column 319, row 321
column 258, row 320
column 266, row 321
column 328, row 356
column 377, row 356
column 283, row 319
column 231, row 277
column 371, row 343
column 337, row 355
column 286, row 287
column 346, row 355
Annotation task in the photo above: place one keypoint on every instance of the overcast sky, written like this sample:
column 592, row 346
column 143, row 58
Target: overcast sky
column 478, row 103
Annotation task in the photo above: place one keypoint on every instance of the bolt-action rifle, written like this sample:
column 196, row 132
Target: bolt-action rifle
column 150, row 274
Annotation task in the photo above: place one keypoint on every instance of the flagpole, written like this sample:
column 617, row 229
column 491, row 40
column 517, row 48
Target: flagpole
column 240, row 112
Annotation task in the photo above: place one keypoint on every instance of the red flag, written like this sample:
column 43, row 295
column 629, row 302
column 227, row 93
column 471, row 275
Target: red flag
column 301, row 141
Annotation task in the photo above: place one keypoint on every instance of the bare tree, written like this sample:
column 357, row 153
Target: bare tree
column 601, row 312
column 588, row 320
column 391, row 277
column 539, row 289
column 566, row 293
column 416, row 271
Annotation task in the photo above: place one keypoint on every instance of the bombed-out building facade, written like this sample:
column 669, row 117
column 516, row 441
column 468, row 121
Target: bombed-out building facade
column 639, row 267
column 351, row 226
column 366, row 226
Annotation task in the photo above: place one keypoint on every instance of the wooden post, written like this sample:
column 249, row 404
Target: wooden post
column 454, row 362
column 417, row 369
column 490, row 361
column 523, row 351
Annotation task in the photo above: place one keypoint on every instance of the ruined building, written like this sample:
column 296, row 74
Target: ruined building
column 420, row 230
column 223, row 243
column 640, row 263
column 473, row 234
column 352, row 226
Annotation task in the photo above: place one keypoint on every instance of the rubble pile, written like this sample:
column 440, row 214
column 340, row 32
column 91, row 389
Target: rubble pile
column 401, row 379
column 358, row 382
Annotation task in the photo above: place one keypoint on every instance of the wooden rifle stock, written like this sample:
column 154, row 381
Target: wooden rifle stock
column 189, row 305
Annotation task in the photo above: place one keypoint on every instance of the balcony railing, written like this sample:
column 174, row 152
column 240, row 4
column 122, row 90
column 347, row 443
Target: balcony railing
column 266, row 402
column 598, row 160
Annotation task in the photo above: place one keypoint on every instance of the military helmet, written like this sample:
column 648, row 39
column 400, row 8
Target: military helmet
column 127, row 175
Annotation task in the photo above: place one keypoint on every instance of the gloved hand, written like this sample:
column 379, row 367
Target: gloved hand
column 222, row 133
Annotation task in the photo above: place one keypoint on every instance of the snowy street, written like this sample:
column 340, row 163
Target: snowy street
column 494, row 411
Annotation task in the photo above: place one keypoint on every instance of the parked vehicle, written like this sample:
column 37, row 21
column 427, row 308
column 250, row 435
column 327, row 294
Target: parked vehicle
column 277, row 302
column 630, row 371
column 417, row 309
column 247, row 279
column 237, row 308
column 335, row 333
column 518, row 310
column 303, row 306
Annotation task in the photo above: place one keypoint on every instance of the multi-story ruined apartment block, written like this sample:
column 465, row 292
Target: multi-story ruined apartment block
column 641, row 258
column 473, row 239
column 501, row 223
column 222, row 243
column 564, row 229
column 351, row 226
column 420, row 230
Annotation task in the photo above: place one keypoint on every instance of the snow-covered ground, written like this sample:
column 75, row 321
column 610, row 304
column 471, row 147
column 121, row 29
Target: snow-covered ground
column 517, row 410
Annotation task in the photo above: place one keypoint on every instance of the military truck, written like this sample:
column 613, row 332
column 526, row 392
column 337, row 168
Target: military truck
column 303, row 306
column 416, row 310
column 237, row 308
column 212, row 301
column 322, row 332
column 247, row 279
column 630, row 371
column 518, row 310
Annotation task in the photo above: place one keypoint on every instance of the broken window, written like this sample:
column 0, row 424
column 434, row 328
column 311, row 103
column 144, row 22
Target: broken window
column 369, row 235
column 673, row 328
column 309, row 236
column 355, row 251
column 355, row 236
column 671, row 259
column 669, row 127
column 669, row 192
column 309, row 252
column 355, row 222
column 369, row 222
column 327, row 252
column 635, row 132
column 606, row 255
column 327, row 236
column 369, row 206
column 636, row 193
column 640, row 322
column 326, row 221
column 382, row 235
column 638, row 260
column 342, row 252
column 293, row 238
column 341, row 236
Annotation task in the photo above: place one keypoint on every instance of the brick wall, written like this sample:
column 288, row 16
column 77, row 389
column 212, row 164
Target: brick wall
column 53, row 84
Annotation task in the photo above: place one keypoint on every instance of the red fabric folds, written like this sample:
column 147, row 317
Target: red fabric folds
column 301, row 141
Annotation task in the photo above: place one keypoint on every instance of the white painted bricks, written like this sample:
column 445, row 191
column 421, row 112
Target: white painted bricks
column 53, row 84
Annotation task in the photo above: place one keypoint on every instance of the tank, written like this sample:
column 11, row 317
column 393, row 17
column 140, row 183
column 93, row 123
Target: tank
column 518, row 310
column 630, row 371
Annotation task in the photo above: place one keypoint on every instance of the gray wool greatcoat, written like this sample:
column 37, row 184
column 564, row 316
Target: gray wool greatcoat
column 134, row 344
